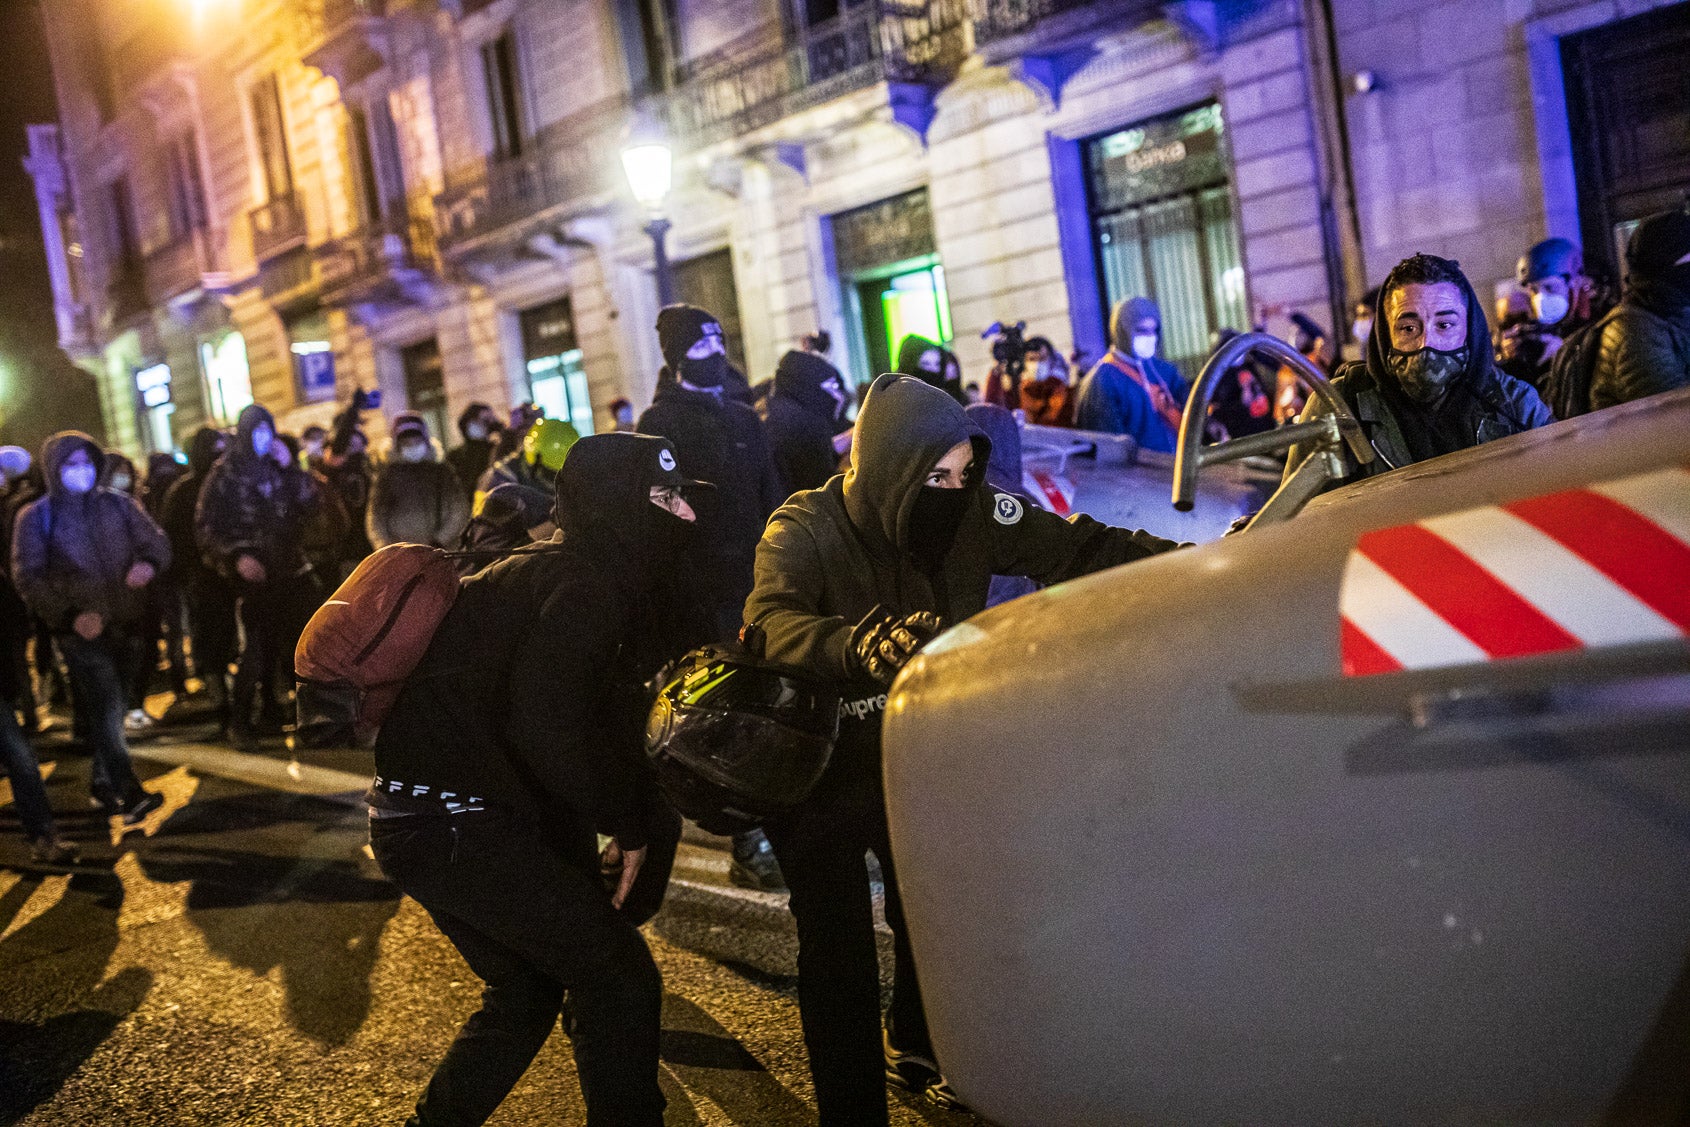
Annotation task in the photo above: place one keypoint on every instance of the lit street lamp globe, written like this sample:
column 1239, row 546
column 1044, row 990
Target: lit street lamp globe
column 649, row 167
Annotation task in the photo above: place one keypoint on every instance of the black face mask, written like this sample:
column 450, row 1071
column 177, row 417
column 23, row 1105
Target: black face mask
column 934, row 521
column 707, row 373
column 1426, row 373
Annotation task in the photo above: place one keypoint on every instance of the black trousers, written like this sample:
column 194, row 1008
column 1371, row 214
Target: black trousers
column 211, row 624
column 530, row 916
column 820, row 846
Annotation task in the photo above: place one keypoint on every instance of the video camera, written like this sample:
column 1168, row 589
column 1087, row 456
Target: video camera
column 1009, row 346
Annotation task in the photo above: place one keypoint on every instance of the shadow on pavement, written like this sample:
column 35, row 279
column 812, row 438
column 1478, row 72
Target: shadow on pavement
column 53, row 965
column 712, row 1063
column 319, row 920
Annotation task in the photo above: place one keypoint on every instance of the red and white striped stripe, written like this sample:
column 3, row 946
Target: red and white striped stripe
column 1605, row 565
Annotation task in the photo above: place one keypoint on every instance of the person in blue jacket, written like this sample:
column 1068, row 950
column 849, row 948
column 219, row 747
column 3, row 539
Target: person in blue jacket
column 1133, row 391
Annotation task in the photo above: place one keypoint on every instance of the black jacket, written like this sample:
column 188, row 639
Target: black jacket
column 1645, row 349
column 531, row 694
column 470, row 461
column 252, row 506
column 831, row 554
column 802, row 417
column 176, row 515
column 722, row 442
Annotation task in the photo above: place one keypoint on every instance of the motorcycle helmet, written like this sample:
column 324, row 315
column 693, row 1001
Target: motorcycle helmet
column 547, row 443
column 734, row 740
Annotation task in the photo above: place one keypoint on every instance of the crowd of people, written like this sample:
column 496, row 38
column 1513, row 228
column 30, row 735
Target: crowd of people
column 829, row 541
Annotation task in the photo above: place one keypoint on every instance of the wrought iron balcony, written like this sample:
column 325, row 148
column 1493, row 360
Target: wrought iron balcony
column 277, row 227
column 176, row 268
column 752, row 83
column 348, row 38
column 1005, row 26
column 392, row 261
column 573, row 160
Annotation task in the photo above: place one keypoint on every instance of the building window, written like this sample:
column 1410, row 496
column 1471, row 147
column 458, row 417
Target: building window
column 645, row 28
column 1163, row 227
column 361, row 157
column 228, row 381
column 504, row 94
column 125, row 247
column 265, row 99
column 425, row 385
column 557, row 381
column 184, row 189
column 893, row 283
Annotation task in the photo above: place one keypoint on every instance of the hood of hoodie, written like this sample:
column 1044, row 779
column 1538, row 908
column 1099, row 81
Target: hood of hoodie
column 905, row 426
column 60, row 447
column 998, row 424
column 250, row 417
column 1475, row 376
column 912, row 354
column 1124, row 322
column 202, row 450
column 799, row 377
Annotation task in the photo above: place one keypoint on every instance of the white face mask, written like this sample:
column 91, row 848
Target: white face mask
column 1549, row 308
column 121, row 482
column 1144, row 345
column 78, row 479
column 475, row 432
column 261, row 440
column 413, row 452
column 1361, row 328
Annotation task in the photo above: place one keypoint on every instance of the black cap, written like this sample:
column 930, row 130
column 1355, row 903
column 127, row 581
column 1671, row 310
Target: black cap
column 679, row 327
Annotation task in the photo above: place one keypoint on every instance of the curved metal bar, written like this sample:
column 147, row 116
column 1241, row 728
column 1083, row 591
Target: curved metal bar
column 1187, row 455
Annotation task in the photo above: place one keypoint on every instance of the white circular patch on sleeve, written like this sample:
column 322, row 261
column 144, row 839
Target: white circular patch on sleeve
column 1007, row 509
column 666, row 460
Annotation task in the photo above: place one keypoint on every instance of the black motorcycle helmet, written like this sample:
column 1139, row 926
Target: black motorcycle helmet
column 735, row 740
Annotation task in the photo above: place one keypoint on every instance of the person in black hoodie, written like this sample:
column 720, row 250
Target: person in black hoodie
column 209, row 600
column 852, row 579
column 932, row 364
column 83, row 559
column 803, row 415
column 718, row 440
column 516, row 741
column 478, row 425
column 1429, row 385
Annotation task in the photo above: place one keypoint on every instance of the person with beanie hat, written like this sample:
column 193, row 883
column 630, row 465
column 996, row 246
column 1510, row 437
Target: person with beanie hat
column 719, row 440
column 804, row 414
column 83, row 559
column 852, row 579
column 1429, row 385
column 1133, row 391
column 518, row 739
column 1643, row 346
column 416, row 498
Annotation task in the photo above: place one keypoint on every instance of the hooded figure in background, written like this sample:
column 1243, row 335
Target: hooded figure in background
column 478, row 426
column 83, row 559
column 416, row 498
column 519, row 738
column 250, row 527
column 803, row 414
column 932, row 363
column 852, row 579
column 1429, row 385
column 1004, row 474
column 719, row 440
column 1133, row 391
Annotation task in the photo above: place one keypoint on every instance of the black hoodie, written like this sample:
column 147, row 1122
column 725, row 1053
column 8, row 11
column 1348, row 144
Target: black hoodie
column 252, row 505
column 177, row 513
column 831, row 554
column 529, row 695
column 915, row 358
column 802, row 417
column 72, row 552
column 1482, row 404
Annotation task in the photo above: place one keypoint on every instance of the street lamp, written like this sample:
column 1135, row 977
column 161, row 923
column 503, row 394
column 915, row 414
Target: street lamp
column 649, row 166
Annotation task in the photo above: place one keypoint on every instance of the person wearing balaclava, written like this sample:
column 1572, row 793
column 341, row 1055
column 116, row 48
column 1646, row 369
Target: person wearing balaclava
column 1429, row 385
column 852, row 579
column 249, row 525
column 719, row 440
column 83, row 558
column 416, row 498
column 804, row 415
column 1133, row 391
column 1643, row 346
column 933, row 364
column 515, row 743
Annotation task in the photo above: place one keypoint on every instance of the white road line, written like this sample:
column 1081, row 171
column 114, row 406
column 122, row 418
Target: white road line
column 292, row 777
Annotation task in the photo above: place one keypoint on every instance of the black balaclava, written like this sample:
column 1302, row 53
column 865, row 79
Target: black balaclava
column 934, row 520
column 1657, row 261
column 603, row 490
column 804, row 378
column 679, row 328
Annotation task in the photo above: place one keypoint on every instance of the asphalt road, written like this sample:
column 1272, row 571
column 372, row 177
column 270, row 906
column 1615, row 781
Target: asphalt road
column 239, row 959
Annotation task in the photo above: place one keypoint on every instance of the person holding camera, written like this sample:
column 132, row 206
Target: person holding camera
column 852, row 580
column 1563, row 299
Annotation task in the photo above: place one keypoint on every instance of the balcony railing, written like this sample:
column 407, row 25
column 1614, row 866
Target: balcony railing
column 996, row 20
column 277, row 226
column 572, row 160
column 390, row 254
column 176, row 268
column 751, row 83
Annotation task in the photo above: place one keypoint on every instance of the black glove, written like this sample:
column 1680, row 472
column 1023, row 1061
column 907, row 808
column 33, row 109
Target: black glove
column 881, row 644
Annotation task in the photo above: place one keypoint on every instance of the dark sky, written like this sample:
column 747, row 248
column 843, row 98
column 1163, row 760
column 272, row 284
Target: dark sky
column 27, row 98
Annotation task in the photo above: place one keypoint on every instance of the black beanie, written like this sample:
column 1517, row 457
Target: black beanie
column 679, row 327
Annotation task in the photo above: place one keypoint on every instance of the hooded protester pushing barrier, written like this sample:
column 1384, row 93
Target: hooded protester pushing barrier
column 852, row 579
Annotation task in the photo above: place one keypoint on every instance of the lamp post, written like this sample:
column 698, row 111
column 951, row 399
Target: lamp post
column 649, row 166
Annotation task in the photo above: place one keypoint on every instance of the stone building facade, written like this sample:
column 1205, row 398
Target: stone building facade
column 285, row 199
